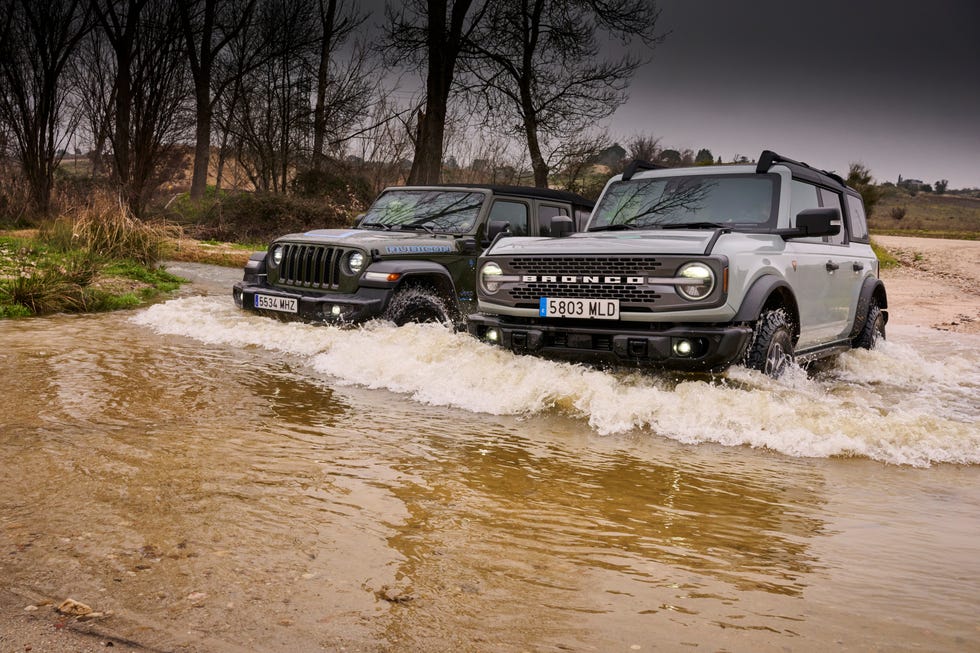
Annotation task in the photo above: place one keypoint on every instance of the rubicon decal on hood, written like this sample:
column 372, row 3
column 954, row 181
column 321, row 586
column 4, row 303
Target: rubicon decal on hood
column 417, row 249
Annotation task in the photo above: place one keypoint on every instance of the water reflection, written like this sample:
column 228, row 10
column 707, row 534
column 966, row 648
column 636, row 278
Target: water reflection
column 576, row 533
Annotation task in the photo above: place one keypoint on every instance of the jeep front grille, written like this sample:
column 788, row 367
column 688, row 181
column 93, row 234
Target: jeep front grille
column 310, row 266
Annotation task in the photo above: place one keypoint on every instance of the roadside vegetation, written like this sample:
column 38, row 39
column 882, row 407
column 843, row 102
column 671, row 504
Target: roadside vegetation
column 96, row 258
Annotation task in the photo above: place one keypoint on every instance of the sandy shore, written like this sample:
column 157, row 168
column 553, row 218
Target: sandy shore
column 938, row 285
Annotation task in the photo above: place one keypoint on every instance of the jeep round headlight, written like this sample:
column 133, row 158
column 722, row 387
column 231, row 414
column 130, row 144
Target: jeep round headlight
column 696, row 281
column 276, row 254
column 355, row 262
column 490, row 277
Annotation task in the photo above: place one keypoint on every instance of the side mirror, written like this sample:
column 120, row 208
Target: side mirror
column 359, row 219
column 814, row 222
column 561, row 226
column 496, row 229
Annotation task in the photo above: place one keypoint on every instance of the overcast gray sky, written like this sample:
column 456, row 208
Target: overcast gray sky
column 892, row 84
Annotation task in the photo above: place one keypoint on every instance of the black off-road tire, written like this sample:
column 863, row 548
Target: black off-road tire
column 873, row 330
column 772, row 343
column 418, row 305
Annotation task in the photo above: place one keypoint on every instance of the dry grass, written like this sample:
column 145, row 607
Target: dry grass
column 925, row 214
column 106, row 228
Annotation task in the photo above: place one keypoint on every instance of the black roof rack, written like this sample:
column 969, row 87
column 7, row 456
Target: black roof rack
column 768, row 159
column 637, row 165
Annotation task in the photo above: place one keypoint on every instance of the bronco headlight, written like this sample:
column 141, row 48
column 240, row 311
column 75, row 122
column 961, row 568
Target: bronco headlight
column 695, row 281
column 490, row 277
column 276, row 254
column 355, row 262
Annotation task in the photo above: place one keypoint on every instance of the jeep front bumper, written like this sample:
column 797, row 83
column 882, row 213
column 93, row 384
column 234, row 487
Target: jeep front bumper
column 689, row 347
column 336, row 308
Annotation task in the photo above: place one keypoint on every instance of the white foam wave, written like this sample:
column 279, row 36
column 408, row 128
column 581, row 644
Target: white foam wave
column 895, row 404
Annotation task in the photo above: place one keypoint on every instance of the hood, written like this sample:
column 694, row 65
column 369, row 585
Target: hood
column 386, row 242
column 627, row 243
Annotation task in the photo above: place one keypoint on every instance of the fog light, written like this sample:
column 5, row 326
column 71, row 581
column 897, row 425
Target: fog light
column 493, row 335
column 683, row 348
column 335, row 310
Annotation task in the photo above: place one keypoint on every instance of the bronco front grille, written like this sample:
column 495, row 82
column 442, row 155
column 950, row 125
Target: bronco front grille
column 310, row 266
column 605, row 265
column 624, row 293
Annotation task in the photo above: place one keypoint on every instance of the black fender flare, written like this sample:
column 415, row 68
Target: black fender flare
column 255, row 267
column 760, row 295
column 872, row 289
column 408, row 271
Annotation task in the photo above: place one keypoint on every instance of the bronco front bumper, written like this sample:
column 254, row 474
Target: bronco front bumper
column 337, row 308
column 688, row 347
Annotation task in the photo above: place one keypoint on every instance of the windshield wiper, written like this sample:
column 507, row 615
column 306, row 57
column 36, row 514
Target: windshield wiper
column 414, row 226
column 375, row 225
column 695, row 225
column 614, row 227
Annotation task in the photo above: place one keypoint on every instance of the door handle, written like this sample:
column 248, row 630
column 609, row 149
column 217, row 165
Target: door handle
column 831, row 266
column 858, row 266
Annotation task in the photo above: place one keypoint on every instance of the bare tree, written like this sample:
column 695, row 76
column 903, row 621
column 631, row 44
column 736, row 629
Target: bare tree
column 208, row 26
column 271, row 122
column 643, row 147
column 539, row 61
column 36, row 44
column 432, row 34
column 334, row 89
column 149, row 93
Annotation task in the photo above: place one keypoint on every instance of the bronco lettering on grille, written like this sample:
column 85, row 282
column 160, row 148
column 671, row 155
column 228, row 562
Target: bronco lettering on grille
column 542, row 278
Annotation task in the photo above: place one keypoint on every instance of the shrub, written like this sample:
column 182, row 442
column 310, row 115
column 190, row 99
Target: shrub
column 897, row 212
column 260, row 217
column 333, row 185
column 105, row 227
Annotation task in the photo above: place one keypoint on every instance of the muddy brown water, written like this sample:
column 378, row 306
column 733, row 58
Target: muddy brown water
column 224, row 482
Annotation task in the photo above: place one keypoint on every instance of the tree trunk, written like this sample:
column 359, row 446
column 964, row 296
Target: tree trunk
column 327, row 18
column 202, row 138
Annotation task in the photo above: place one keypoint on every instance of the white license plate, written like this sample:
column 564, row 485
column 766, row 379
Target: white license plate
column 591, row 309
column 281, row 304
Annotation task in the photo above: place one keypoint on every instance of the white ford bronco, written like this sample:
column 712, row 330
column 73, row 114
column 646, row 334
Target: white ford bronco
column 694, row 269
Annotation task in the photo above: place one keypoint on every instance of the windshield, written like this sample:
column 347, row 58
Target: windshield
column 453, row 212
column 698, row 200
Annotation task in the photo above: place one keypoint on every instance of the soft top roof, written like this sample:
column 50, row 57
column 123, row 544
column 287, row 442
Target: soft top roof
column 523, row 191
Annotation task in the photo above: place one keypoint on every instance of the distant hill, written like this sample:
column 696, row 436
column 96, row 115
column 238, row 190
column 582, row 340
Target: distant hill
column 926, row 214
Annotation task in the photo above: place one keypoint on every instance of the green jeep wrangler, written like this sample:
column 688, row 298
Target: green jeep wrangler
column 410, row 258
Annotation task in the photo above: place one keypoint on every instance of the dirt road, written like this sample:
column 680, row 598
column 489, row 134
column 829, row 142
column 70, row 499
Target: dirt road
column 937, row 286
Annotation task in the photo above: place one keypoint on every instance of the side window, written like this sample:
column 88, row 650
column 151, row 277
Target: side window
column 513, row 212
column 545, row 213
column 581, row 219
column 859, row 222
column 804, row 196
column 831, row 200
column 807, row 196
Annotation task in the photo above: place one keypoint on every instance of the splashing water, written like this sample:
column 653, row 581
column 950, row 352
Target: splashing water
column 913, row 401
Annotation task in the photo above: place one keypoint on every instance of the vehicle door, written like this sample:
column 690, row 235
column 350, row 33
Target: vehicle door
column 823, row 276
column 516, row 212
